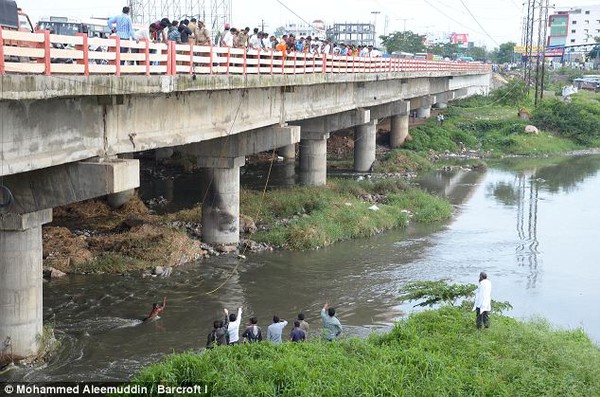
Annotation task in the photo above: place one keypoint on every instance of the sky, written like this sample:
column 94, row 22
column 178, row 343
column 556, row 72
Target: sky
column 492, row 21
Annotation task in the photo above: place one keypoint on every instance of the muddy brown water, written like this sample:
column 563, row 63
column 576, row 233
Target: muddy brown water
column 532, row 225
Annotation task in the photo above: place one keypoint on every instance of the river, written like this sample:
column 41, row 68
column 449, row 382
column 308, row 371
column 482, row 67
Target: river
column 532, row 225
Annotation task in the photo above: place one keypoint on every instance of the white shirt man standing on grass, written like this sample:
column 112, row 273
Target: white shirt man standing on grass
column 483, row 301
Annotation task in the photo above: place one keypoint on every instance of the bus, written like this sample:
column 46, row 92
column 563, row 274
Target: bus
column 61, row 25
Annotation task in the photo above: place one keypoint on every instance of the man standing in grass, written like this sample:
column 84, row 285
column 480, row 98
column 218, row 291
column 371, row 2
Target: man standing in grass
column 483, row 301
column 331, row 325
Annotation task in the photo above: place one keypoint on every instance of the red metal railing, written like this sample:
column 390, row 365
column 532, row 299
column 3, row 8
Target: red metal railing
column 43, row 53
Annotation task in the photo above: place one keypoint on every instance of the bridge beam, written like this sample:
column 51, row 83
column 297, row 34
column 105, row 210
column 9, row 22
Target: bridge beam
column 365, row 141
column 21, row 300
column 70, row 183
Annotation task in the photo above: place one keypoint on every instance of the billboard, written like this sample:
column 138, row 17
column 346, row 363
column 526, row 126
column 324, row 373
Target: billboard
column 459, row 38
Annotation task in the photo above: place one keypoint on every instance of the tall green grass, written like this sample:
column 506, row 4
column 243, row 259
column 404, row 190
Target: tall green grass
column 313, row 217
column 432, row 353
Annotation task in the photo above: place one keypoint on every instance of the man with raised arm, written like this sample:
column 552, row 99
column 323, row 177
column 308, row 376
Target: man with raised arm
column 234, row 326
column 331, row 325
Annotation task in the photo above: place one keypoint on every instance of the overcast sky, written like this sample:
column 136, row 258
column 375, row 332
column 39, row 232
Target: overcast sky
column 493, row 21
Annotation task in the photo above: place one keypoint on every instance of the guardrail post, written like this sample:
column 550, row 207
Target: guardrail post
column 244, row 58
column 210, row 58
column 147, row 56
column 47, row 59
column 228, row 58
column 272, row 58
column 2, row 69
column 191, row 58
column 85, row 49
column 117, row 51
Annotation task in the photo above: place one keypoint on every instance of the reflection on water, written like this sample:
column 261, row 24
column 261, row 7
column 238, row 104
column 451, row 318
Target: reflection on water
column 531, row 226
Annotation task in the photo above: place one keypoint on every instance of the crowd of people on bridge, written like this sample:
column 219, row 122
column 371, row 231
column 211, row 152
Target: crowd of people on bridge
column 195, row 31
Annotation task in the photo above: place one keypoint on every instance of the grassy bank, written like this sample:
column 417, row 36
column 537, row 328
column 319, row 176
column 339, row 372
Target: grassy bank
column 312, row 217
column 491, row 125
column 432, row 353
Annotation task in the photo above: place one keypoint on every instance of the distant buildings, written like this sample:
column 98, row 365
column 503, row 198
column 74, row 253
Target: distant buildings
column 352, row 33
column 315, row 29
column 571, row 32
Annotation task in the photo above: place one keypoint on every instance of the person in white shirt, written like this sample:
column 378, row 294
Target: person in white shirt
column 275, row 330
column 233, row 329
column 254, row 42
column 483, row 301
column 226, row 37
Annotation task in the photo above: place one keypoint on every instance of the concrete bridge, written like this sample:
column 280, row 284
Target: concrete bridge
column 68, row 131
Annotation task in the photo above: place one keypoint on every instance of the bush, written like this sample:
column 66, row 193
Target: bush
column 513, row 93
column 578, row 120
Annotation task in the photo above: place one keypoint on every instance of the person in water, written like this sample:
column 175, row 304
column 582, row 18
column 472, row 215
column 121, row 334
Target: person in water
column 156, row 310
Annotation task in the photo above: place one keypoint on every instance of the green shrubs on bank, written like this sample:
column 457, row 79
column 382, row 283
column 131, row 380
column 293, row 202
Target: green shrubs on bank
column 485, row 124
column 578, row 120
column 432, row 353
column 313, row 217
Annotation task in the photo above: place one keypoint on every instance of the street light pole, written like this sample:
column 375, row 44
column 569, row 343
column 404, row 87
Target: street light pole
column 375, row 13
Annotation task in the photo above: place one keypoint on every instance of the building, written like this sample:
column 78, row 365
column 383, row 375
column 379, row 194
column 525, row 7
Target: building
column 315, row 29
column 352, row 33
column 571, row 32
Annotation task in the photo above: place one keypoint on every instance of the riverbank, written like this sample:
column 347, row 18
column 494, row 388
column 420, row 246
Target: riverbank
column 435, row 352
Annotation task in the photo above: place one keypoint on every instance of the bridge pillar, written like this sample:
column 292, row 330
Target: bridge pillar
column 313, row 158
column 398, row 130
column 365, row 140
column 21, row 301
column 288, row 152
column 221, row 204
column 424, row 112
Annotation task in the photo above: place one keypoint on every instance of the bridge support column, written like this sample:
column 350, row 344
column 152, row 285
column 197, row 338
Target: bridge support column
column 221, row 205
column 21, row 301
column 313, row 158
column 288, row 152
column 424, row 112
column 398, row 130
column 365, row 140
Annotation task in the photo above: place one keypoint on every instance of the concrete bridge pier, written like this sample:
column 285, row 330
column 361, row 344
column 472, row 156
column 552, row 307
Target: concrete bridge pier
column 223, row 157
column 21, row 302
column 313, row 158
column 424, row 111
column 365, row 140
column 398, row 130
column 221, row 204
column 288, row 152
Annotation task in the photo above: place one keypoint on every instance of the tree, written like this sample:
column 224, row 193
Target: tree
column 444, row 49
column 406, row 41
column 477, row 53
column 504, row 53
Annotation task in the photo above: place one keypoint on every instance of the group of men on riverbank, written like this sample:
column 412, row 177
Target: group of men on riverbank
column 227, row 331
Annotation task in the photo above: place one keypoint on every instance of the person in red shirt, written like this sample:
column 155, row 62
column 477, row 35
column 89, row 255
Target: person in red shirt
column 156, row 310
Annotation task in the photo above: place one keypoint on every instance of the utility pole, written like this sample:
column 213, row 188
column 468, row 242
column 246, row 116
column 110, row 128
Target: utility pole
column 404, row 20
column 375, row 13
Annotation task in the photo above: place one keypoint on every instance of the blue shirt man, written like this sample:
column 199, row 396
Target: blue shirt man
column 124, row 25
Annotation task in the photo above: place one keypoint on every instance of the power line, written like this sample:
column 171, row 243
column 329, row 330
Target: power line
column 298, row 16
column 450, row 18
column 478, row 24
